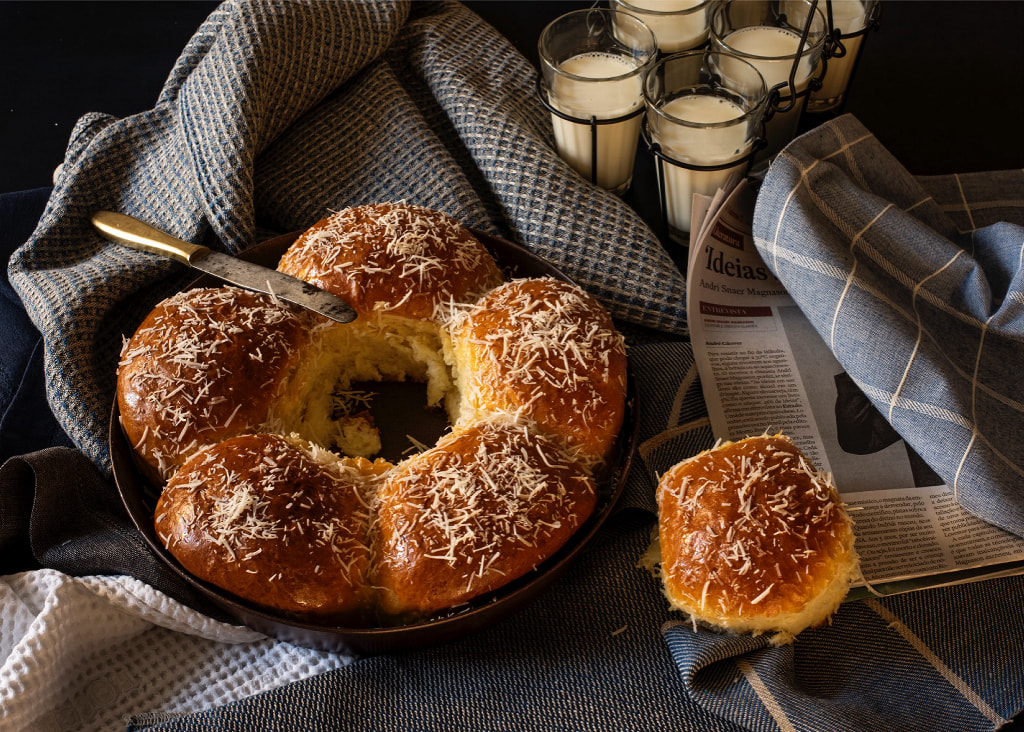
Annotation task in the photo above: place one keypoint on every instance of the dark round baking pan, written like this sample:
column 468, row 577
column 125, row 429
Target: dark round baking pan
column 140, row 498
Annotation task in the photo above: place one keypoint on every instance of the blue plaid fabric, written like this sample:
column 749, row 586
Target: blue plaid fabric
column 277, row 113
column 917, row 287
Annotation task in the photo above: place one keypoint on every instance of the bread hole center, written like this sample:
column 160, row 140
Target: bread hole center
column 397, row 411
column 382, row 388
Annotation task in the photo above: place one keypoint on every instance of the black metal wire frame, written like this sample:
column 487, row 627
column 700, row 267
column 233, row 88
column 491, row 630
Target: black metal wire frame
column 662, row 158
column 835, row 47
column 781, row 103
column 593, row 122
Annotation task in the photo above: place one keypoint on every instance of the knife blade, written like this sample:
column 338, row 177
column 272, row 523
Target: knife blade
column 139, row 235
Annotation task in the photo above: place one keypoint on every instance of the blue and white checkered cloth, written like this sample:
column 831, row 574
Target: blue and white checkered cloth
column 917, row 286
column 280, row 111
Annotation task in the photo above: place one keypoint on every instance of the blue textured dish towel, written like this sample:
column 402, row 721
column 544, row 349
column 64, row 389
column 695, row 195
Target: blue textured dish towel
column 917, row 285
column 277, row 113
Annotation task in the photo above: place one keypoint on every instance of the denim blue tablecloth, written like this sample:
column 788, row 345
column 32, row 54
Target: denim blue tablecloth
column 277, row 113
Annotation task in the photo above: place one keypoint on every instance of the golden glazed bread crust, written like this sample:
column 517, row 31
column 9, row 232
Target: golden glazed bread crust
column 545, row 350
column 210, row 367
column 753, row 538
column 188, row 375
column 261, row 517
column 391, row 258
column 483, row 507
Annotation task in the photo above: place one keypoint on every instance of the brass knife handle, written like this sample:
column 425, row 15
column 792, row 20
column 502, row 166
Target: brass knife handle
column 138, row 235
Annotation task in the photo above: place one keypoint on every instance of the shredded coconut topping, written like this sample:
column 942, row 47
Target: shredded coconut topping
column 545, row 344
column 174, row 371
column 281, row 496
column 476, row 497
column 408, row 257
column 775, row 520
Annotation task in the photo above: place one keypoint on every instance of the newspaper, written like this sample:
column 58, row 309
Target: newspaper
column 764, row 368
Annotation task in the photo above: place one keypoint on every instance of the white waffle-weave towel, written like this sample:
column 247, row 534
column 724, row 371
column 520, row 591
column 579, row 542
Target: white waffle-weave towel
column 85, row 653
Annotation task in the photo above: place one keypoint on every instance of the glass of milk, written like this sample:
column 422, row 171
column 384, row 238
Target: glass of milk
column 679, row 25
column 767, row 34
column 593, row 63
column 850, row 20
column 705, row 126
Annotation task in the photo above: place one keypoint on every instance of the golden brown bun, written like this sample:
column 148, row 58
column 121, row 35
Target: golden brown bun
column 483, row 507
column 393, row 258
column 754, row 539
column 533, row 376
column 204, row 365
column 263, row 518
column 548, row 351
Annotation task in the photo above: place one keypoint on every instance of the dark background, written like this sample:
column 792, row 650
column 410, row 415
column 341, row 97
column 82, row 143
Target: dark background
column 941, row 83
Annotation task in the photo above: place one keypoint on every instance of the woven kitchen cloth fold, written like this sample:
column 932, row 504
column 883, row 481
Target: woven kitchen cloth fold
column 83, row 653
column 601, row 650
column 26, row 423
column 917, row 287
column 277, row 113
column 943, row 658
column 588, row 656
column 940, row 657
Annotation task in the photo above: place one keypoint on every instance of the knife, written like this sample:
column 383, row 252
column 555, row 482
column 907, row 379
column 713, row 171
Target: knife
column 139, row 235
